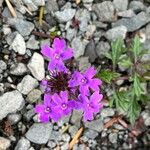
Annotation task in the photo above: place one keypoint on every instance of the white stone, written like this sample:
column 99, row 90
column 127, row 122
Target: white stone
column 36, row 66
column 18, row 44
column 4, row 143
column 10, row 102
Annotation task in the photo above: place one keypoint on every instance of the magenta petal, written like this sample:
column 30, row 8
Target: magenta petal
column 67, row 54
column 47, row 99
column 56, row 99
column 39, row 108
column 44, row 117
column 96, row 97
column 47, row 51
column 90, row 72
column 59, row 45
column 94, row 84
column 51, row 66
column 84, row 89
column 64, row 95
column 88, row 115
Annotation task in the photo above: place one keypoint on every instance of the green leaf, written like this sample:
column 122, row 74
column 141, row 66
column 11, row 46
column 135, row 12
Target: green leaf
column 107, row 75
column 125, row 62
column 133, row 110
column 137, row 86
column 136, row 47
column 108, row 55
column 117, row 49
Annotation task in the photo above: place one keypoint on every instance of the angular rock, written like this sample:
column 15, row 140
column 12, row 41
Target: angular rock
column 137, row 6
column 107, row 112
column 10, row 102
column 83, row 16
column 102, row 48
column 27, row 84
column 34, row 95
column 18, row 69
column 96, row 125
column 113, row 137
column 36, row 66
column 14, row 118
column 83, row 63
column 90, row 51
column 71, row 33
column 3, row 66
column 135, row 22
column 76, row 118
column 126, row 14
column 65, row 15
column 18, row 44
column 4, row 143
column 23, row 144
column 1, row 2
column 146, row 117
column 78, row 46
column 105, row 11
column 120, row 5
column 116, row 33
column 52, row 6
column 32, row 43
column 148, row 31
column 87, row 1
column 39, row 133
column 22, row 26
column 91, row 134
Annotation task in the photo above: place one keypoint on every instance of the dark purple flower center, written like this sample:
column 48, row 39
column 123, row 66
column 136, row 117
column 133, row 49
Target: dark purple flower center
column 47, row 109
column 64, row 106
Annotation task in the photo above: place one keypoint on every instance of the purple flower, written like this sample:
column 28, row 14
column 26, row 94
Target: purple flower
column 57, row 54
column 85, row 81
column 62, row 104
column 90, row 106
column 47, row 111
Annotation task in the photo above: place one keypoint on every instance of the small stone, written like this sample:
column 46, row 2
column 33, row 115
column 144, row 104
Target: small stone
column 96, row 125
column 10, row 102
column 126, row 14
column 107, row 112
column 78, row 46
column 39, row 133
column 56, row 136
column 91, row 134
column 1, row 2
column 90, row 31
column 51, row 6
column 66, row 137
column 71, row 33
column 146, row 116
column 83, row 16
column 51, row 144
column 65, row 146
column 4, row 143
column 23, row 144
column 102, row 48
column 76, row 118
column 22, row 26
column 27, row 84
column 84, row 63
column 32, row 43
column 87, row 1
column 120, row 5
column 3, row 66
column 29, row 114
column 65, row 15
column 36, row 66
column 105, row 11
column 18, row 44
column 116, row 33
column 148, row 31
column 72, row 130
column 33, row 96
column 135, row 22
column 14, row 118
column 18, row 69
column 30, row 4
column 113, row 137
column 137, row 6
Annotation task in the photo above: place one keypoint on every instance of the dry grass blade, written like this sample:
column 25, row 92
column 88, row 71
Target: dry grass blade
column 28, row 11
column 41, row 15
column 75, row 138
column 11, row 9
column 123, row 123
column 111, row 122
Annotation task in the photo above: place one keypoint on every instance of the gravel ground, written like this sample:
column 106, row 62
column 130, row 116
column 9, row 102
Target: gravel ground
column 88, row 26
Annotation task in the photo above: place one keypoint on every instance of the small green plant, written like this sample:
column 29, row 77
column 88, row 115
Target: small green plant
column 130, row 98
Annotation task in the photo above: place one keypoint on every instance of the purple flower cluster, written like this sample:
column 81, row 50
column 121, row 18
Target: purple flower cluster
column 67, row 89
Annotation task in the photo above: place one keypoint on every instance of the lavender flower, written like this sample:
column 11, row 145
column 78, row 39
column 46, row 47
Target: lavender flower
column 58, row 53
column 91, row 106
column 85, row 81
column 47, row 111
column 67, row 89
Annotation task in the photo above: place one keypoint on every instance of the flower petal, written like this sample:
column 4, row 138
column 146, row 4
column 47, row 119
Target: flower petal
column 88, row 115
column 56, row 99
column 44, row 117
column 94, row 84
column 39, row 108
column 84, row 89
column 47, row 51
column 90, row 73
column 67, row 54
column 51, row 66
column 96, row 97
column 59, row 45
column 64, row 96
column 47, row 99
